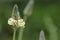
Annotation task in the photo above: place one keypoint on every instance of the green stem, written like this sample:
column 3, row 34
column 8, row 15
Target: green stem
column 25, row 18
column 20, row 33
column 14, row 34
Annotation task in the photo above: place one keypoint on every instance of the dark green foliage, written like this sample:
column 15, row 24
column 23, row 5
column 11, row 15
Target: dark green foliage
column 35, row 23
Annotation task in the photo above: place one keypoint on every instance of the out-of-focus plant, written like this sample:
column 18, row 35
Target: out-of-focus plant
column 50, row 27
column 42, row 36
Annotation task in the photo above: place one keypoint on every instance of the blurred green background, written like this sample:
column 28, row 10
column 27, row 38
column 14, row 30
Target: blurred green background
column 45, row 16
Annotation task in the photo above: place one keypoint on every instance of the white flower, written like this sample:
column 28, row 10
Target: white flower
column 17, row 23
column 10, row 21
column 21, row 23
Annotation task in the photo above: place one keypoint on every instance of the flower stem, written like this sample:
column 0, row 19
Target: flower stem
column 20, row 33
column 14, row 34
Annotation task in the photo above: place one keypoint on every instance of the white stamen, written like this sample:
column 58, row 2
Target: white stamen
column 19, row 23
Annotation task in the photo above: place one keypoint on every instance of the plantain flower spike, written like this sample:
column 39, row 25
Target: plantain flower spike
column 42, row 36
column 28, row 9
column 15, row 20
column 15, row 12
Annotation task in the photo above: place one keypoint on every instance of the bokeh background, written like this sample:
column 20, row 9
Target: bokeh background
column 45, row 16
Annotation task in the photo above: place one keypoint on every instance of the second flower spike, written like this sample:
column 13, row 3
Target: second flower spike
column 42, row 36
column 28, row 9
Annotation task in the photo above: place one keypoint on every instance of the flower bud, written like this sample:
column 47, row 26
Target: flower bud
column 42, row 36
column 28, row 9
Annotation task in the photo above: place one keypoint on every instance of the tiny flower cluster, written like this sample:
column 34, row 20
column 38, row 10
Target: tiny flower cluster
column 17, row 23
